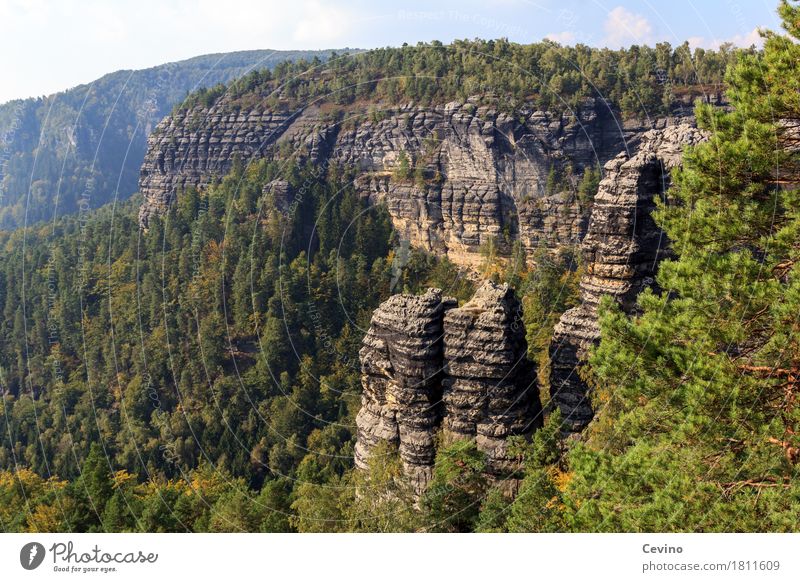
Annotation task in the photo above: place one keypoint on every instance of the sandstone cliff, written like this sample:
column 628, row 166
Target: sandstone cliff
column 427, row 364
column 621, row 251
column 401, row 365
column 490, row 389
column 483, row 173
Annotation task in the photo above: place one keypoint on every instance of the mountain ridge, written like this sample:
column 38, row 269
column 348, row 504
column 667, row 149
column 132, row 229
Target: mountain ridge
column 81, row 147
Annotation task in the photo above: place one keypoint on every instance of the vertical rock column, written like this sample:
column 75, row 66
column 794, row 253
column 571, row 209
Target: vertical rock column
column 490, row 390
column 401, row 364
column 621, row 250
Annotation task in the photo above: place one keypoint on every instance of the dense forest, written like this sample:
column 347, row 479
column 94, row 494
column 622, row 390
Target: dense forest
column 638, row 81
column 83, row 147
column 218, row 348
column 203, row 375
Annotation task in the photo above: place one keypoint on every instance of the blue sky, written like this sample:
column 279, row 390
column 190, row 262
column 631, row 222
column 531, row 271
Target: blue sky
column 51, row 45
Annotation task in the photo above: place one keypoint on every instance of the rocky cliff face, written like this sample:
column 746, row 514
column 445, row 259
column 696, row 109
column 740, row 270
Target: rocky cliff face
column 490, row 388
column 483, row 174
column 401, row 365
column 477, row 175
column 621, row 250
column 427, row 364
column 194, row 147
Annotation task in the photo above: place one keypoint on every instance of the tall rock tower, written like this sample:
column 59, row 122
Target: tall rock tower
column 428, row 365
column 621, row 250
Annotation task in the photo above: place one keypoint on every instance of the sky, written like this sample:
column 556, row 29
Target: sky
column 52, row 45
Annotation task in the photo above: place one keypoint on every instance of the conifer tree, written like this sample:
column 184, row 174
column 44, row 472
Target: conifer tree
column 698, row 425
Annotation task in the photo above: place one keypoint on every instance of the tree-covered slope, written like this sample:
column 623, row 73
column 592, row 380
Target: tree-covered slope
column 224, row 337
column 698, row 425
column 82, row 147
column 638, row 81
column 202, row 374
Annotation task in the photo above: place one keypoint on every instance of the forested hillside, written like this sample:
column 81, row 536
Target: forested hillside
column 202, row 374
column 220, row 346
column 639, row 80
column 225, row 336
column 82, row 147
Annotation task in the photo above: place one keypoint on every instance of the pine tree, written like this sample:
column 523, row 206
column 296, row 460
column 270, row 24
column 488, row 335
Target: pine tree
column 403, row 169
column 698, row 427
column 91, row 492
column 453, row 499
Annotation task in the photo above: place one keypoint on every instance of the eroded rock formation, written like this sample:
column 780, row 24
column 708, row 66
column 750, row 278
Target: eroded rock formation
column 401, row 365
column 621, row 250
column 427, row 364
column 490, row 389
column 486, row 172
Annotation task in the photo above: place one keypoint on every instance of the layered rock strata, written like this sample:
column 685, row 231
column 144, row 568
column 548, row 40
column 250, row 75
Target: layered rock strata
column 490, row 389
column 427, row 364
column 621, row 251
column 401, row 365
column 483, row 173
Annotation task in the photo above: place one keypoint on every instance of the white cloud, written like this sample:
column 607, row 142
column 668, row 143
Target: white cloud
column 741, row 40
column 746, row 40
column 565, row 37
column 110, row 26
column 699, row 42
column 251, row 18
column 623, row 27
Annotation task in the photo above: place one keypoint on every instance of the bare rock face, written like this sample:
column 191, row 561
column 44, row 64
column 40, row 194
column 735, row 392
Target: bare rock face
column 428, row 365
column 401, row 364
column 484, row 172
column 554, row 221
column 193, row 148
column 621, row 250
column 490, row 390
